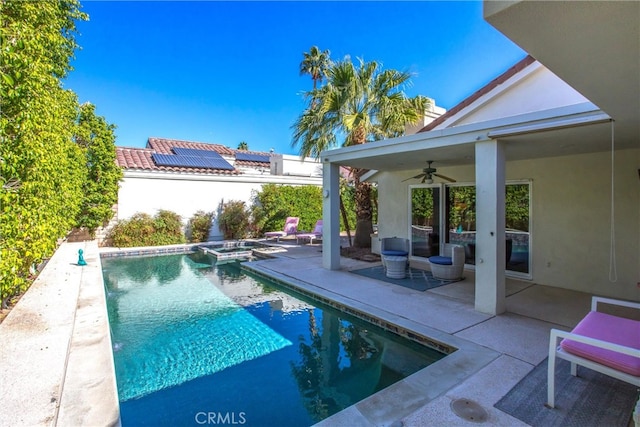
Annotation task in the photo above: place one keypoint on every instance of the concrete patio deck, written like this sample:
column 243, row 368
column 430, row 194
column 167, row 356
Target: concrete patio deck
column 57, row 367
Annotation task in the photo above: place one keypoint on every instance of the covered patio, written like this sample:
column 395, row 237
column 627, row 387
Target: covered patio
column 488, row 148
column 578, row 151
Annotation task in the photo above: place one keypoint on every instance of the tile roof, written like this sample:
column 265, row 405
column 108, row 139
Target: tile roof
column 140, row 158
column 249, row 164
column 519, row 66
column 163, row 146
column 134, row 158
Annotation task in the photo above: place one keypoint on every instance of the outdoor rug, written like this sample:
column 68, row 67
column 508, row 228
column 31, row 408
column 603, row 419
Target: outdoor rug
column 420, row 280
column 591, row 399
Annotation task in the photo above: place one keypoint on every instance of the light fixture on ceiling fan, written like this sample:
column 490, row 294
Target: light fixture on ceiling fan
column 428, row 173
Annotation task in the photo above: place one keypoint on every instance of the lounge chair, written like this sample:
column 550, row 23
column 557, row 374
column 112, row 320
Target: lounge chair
column 315, row 234
column 450, row 265
column 290, row 227
column 602, row 342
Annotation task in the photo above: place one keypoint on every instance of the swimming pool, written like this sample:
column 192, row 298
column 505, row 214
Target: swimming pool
column 195, row 342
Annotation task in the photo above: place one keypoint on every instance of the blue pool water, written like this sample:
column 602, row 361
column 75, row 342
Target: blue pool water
column 197, row 343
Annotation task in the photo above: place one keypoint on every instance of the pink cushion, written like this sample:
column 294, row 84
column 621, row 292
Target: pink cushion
column 613, row 329
column 291, row 225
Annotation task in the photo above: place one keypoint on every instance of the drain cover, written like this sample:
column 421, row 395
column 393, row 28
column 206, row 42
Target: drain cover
column 469, row 410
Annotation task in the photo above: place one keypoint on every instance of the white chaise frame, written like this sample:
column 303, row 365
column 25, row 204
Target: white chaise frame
column 556, row 351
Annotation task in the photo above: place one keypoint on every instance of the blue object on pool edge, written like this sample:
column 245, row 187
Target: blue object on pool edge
column 81, row 260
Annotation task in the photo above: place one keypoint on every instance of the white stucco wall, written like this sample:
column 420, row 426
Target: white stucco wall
column 297, row 166
column 570, row 229
column 535, row 89
column 185, row 194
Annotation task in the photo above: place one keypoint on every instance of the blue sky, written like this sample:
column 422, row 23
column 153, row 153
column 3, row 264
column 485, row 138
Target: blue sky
column 225, row 72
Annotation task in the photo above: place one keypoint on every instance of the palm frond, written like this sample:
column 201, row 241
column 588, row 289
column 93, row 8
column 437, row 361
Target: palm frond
column 360, row 102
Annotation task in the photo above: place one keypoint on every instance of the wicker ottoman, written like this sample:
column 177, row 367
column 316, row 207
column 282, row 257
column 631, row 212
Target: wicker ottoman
column 396, row 266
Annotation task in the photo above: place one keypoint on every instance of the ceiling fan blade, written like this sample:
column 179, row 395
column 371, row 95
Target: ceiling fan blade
column 413, row 177
column 446, row 178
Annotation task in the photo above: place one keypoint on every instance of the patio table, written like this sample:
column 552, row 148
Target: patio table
column 396, row 266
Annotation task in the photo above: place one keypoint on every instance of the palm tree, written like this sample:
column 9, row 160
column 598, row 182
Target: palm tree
column 316, row 64
column 243, row 146
column 359, row 103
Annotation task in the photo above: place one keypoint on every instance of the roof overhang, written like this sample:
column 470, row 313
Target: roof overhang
column 236, row 178
column 594, row 46
column 561, row 131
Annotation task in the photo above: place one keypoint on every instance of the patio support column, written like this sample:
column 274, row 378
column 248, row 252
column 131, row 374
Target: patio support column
column 490, row 223
column 330, row 216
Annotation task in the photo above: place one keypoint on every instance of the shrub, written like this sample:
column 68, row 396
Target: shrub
column 165, row 228
column 135, row 231
column 168, row 229
column 274, row 203
column 234, row 221
column 199, row 226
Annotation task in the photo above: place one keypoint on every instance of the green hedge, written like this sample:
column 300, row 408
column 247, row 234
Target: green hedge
column 274, row 203
column 41, row 168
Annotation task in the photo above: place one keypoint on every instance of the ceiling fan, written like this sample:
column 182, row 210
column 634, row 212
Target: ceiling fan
column 428, row 173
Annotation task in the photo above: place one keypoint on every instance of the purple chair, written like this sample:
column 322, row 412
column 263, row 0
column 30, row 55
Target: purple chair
column 315, row 234
column 290, row 227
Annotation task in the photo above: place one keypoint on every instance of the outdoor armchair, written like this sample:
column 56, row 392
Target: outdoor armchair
column 394, row 252
column 602, row 342
column 449, row 265
column 393, row 246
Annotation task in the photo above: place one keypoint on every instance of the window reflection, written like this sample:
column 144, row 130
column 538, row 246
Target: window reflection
column 425, row 221
column 459, row 217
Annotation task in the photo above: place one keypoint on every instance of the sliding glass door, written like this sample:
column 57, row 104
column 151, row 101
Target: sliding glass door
column 425, row 220
column 461, row 219
column 517, row 233
column 452, row 207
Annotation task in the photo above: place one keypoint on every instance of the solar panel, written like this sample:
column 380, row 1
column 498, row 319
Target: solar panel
column 218, row 163
column 249, row 157
column 191, row 161
column 196, row 153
